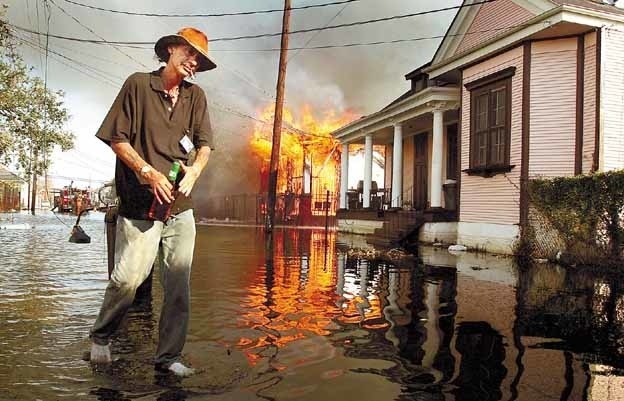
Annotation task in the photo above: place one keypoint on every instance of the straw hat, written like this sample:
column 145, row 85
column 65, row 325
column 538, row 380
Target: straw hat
column 187, row 36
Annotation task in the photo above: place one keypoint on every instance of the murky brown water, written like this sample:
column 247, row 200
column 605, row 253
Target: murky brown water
column 308, row 320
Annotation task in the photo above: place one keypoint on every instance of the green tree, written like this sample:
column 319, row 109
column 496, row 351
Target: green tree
column 32, row 117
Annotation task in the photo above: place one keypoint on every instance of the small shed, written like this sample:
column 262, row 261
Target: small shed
column 10, row 190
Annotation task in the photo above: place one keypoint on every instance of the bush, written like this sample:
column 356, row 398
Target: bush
column 585, row 210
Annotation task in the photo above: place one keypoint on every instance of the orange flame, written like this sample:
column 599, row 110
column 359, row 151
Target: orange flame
column 306, row 145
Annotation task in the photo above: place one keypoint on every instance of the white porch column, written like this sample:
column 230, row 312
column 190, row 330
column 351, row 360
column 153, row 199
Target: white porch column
column 397, row 166
column 368, row 170
column 344, row 176
column 436, row 158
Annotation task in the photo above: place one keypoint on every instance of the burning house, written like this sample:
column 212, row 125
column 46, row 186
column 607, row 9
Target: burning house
column 309, row 166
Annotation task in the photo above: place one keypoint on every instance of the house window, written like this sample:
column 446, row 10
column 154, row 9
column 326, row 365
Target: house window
column 490, row 122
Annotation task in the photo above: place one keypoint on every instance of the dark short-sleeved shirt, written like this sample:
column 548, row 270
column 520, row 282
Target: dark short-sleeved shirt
column 142, row 115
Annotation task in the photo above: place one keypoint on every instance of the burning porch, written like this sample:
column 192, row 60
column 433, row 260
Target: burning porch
column 308, row 173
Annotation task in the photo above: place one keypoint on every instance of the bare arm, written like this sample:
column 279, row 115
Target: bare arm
column 159, row 183
column 191, row 173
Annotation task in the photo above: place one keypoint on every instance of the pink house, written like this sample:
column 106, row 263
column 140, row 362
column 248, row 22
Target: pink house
column 517, row 89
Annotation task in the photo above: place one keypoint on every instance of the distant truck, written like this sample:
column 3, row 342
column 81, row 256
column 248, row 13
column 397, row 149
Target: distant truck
column 72, row 200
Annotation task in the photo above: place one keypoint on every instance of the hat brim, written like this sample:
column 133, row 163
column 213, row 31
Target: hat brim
column 205, row 63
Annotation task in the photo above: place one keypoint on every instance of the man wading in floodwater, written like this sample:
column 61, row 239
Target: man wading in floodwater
column 156, row 119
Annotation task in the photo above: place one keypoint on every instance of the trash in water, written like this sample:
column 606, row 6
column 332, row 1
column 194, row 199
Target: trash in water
column 78, row 235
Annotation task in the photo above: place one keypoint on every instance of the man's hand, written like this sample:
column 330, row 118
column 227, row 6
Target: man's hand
column 161, row 187
column 191, row 174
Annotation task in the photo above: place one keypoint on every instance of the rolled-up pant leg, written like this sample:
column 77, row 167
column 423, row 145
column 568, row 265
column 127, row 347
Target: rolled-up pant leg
column 178, row 243
column 136, row 246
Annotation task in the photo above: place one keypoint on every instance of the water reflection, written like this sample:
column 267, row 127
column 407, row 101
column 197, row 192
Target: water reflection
column 301, row 318
column 575, row 315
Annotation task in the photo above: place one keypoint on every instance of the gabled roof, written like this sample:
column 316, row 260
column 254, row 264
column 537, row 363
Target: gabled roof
column 8, row 176
column 497, row 24
column 469, row 11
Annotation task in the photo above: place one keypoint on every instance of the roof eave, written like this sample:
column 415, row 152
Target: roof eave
column 431, row 94
column 563, row 13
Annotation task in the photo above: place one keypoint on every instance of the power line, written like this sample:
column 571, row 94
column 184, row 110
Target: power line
column 285, row 126
column 95, row 33
column 39, row 29
column 380, row 42
column 267, row 35
column 81, row 159
column 98, row 75
column 350, row 24
column 317, row 33
column 78, row 179
column 94, row 57
column 214, row 104
column 207, row 15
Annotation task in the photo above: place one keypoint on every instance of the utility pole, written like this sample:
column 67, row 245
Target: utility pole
column 277, row 122
column 34, row 183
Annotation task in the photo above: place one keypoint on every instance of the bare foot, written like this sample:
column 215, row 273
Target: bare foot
column 180, row 370
column 100, row 353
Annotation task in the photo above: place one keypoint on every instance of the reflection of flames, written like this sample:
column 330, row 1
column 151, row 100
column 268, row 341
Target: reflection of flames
column 292, row 306
column 306, row 148
column 299, row 305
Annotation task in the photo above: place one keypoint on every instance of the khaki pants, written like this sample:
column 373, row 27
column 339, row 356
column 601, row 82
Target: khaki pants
column 137, row 244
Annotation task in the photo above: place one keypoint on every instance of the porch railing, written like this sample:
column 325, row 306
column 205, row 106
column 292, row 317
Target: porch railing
column 381, row 199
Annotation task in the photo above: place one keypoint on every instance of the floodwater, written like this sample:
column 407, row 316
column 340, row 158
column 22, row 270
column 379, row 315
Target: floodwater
column 309, row 319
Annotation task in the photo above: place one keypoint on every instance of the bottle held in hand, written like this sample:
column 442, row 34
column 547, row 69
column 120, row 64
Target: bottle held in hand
column 162, row 211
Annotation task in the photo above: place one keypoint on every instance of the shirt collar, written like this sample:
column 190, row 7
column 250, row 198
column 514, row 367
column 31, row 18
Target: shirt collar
column 157, row 84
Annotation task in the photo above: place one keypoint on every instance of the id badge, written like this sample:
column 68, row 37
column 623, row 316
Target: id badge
column 187, row 144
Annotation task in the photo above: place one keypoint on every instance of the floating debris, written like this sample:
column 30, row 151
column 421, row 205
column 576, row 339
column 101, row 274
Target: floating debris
column 370, row 253
column 395, row 255
column 16, row 226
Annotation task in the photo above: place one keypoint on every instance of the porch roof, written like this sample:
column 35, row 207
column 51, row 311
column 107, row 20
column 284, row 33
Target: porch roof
column 9, row 177
column 420, row 103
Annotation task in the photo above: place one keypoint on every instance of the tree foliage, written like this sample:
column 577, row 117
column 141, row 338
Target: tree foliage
column 32, row 117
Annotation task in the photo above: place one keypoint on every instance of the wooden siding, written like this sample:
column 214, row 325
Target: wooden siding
column 9, row 197
column 612, row 99
column 495, row 199
column 589, row 104
column 491, row 16
column 553, row 108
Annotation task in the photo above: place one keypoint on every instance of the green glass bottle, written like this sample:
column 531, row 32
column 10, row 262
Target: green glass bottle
column 162, row 211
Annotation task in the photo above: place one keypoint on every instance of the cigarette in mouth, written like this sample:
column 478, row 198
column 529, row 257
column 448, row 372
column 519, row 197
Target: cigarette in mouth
column 192, row 75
